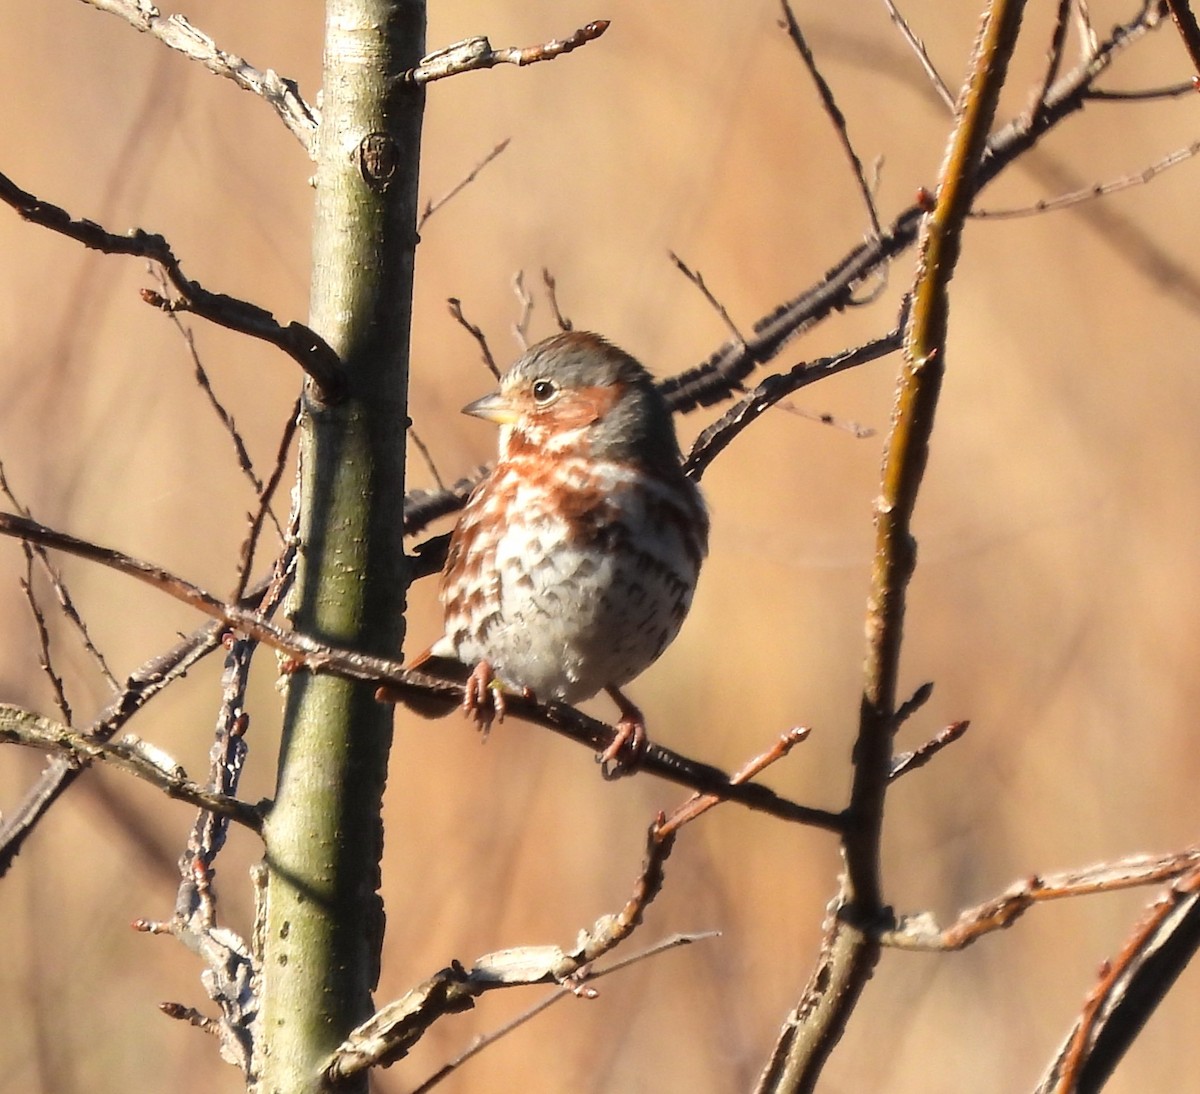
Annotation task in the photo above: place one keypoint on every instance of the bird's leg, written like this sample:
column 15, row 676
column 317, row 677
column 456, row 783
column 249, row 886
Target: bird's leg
column 483, row 697
column 625, row 750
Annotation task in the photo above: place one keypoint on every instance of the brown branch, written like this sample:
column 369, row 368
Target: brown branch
column 697, row 279
column 561, row 320
column 22, row 727
column 721, row 433
column 266, row 495
column 922, row 932
column 61, row 593
column 919, row 757
column 303, row 345
column 1096, row 190
column 918, row 47
column 1189, row 31
column 402, row 685
column 45, row 658
column 434, row 204
column 174, row 31
column 144, row 684
column 851, row 947
column 391, row 1032
column 476, row 53
column 829, row 103
column 722, row 373
column 520, row 328
column 1129, row 990
column 455, row 306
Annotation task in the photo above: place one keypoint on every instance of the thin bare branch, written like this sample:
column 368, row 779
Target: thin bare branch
column 520, row 328
column 476, row 53
column 245, row 464
column 475, row 332
column 1129, row 990
column 718, row 436
column 266, row 495
column 311, row 352
column 45, row 658
column 850, row 950
column 23, row 727
column 398, row 684
column 835, row 114
column 148, row 681
column 922, row 932
column 1096, row 190
column 434, row 204
column 426, row 456
column 391, row 1032
column 60, row 591
column 695, row 277
column 174, row 31
column 698, row 804
column 1172, row 91
column 563, row 323
column 918, row 47
column 567, row 991
column 1054, row 56
column 1189, row 31
column 919, row 757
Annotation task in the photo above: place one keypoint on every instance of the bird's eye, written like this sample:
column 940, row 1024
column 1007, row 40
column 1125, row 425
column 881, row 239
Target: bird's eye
column 544, row 391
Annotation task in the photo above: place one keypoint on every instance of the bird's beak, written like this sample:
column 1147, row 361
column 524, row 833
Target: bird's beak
column 493, row 408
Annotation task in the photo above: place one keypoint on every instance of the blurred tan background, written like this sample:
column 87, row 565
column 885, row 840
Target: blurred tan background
column 1054, row 604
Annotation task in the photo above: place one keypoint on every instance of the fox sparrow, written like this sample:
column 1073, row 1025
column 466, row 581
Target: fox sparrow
column 573, row 563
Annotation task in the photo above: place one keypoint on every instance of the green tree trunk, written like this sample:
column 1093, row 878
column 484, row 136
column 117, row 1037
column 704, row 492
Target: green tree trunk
column 324, row 922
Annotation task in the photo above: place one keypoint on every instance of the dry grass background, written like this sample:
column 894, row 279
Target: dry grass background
column 1054, row 604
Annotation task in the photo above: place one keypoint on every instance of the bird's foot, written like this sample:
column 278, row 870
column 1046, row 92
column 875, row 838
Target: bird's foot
column 624, row 752
column 483, row 698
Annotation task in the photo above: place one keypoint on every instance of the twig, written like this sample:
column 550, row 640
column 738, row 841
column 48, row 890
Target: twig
column 698, row 804
column 912, row 704
column 1173, row 91
column 713, row 380
column 144, row 684
column 398, row 684
column 455, row 306
column 919, row 757
column 45, row 659
column 1096, row 190
column 697, row 279
column 835, row 114
column 1189, row 31
column 1054, row 56
column 303, row 345
column 223, row 416
column 921, row 932
column 520, row 328
column 434, row 204
column 567, row 991
column 61, row 593
column 23, row 727
column 391, row 1032
column 718, row 436
column 174, row 31
column 476, row 53
column 564, row 324
column 266, row 494
column 918, row 47
column 850, row 950
column 427, row 456
column 1129, row 990
column 722, row 373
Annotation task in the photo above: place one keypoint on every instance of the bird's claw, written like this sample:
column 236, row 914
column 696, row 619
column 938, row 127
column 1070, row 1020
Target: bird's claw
column 483, row 698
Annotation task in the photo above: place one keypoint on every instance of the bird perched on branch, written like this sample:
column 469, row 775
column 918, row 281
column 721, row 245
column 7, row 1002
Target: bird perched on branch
column 573, row 563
